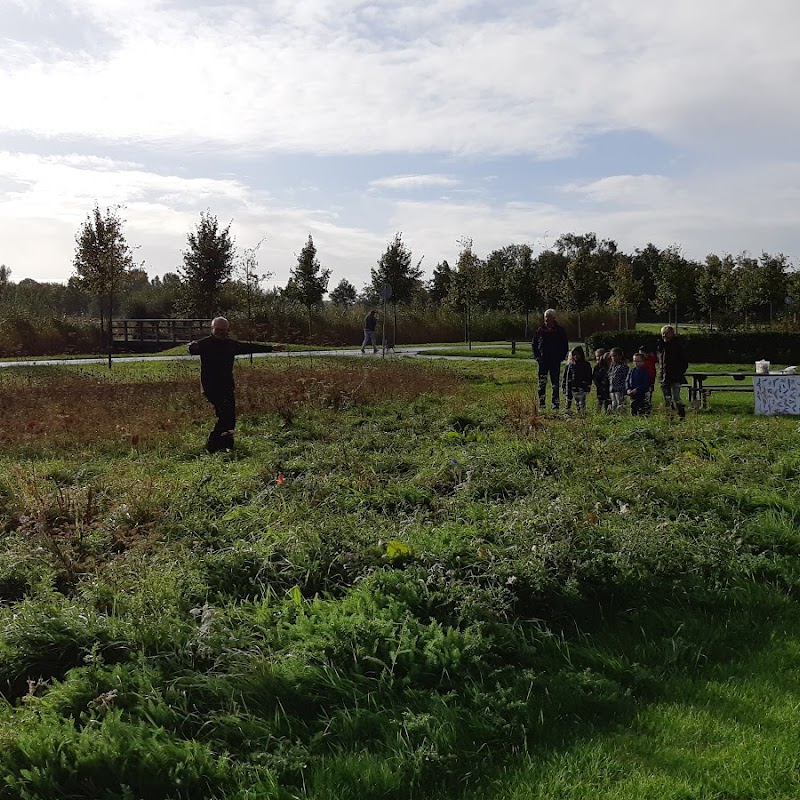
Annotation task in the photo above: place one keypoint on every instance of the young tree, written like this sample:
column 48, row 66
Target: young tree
column 626, row 288
column 521, row 284
column 102, row 261
column 440, row 284
column 308, row 282
column 714, row 285
column 466, row 285
column 646, row 263
column 368, row 297
column 773, row 271
column 344, row 294
column 248, row 276
column 551, row 269
column 675, row 282
column 589, row 265
column 5, row 280
column 394, row 267
column 208, row 263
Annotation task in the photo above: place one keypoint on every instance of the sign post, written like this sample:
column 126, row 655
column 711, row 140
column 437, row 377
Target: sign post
column 386, row 293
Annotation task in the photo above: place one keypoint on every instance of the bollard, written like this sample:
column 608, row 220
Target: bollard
column 513, row 347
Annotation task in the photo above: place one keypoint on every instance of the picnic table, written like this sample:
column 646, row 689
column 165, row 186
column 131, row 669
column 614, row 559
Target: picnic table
column 775, row 392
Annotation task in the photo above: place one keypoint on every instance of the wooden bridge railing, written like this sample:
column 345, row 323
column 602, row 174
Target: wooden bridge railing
column 159, row 331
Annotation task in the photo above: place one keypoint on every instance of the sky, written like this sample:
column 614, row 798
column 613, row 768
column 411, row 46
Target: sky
column 508, row 121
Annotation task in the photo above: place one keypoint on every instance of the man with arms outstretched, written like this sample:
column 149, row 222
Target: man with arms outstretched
column 217, row 353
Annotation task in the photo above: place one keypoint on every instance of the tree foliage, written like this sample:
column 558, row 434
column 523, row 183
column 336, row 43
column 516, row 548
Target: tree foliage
column 308, row 282
column 102, row 260
column 344, row 294
column 208, row 263
column 466, row 285
column 440, row 283
column 394, row 267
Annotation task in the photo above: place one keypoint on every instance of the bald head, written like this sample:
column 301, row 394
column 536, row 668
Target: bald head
column 220, row 327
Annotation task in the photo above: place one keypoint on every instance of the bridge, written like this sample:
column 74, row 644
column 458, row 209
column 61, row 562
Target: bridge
column 156, row 334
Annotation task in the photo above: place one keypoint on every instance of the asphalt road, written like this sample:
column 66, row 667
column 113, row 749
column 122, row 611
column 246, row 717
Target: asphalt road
column 401, row 352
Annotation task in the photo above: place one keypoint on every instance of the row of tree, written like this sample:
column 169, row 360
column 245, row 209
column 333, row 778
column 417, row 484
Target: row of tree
column 578, row 271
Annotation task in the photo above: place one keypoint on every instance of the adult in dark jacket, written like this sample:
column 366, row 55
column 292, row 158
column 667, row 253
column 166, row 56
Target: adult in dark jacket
column 672, row 365
column 550, row 346
column 217, row 353
column 370, row 324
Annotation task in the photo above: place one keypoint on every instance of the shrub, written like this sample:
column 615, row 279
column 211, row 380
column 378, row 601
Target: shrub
column 711, row 348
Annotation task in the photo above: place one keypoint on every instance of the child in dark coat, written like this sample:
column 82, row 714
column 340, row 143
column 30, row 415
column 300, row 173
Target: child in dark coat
column 617, row 378
column 651, row 365
column 600, row 379
column 578, row 378
column 638, row 386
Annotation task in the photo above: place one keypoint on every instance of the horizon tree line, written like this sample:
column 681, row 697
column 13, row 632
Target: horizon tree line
column 577, row 272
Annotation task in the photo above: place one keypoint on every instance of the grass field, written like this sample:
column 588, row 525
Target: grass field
column 406, row 582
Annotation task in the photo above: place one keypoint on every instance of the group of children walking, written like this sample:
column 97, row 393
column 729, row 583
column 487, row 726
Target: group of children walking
column 613, row 379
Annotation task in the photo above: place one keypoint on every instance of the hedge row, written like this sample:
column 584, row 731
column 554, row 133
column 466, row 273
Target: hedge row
column 711, row 348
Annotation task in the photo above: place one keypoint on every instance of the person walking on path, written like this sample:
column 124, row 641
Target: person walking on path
column 370, row 323
column 672, row 365
column 217, row 353
column 550, row 347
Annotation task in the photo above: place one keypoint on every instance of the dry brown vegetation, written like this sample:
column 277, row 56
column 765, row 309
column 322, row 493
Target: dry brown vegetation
column 65, row 408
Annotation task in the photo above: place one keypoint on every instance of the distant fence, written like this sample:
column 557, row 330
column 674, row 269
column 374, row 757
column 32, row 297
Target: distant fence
column 155, row 332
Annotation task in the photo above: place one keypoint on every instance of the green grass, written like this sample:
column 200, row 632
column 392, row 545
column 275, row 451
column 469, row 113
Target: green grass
column 444, row 594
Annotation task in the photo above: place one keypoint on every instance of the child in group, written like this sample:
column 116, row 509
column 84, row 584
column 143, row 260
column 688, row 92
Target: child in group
column 650, row 364
column 638, row 386
column 617, row 377
column 578, row 378
column 600, row 378
column 566, row 388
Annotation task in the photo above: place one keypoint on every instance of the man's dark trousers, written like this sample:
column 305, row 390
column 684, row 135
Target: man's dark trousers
column 221, row 437
column 553, row 371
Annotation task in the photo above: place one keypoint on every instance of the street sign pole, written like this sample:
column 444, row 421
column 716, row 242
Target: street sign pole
column 386, row 293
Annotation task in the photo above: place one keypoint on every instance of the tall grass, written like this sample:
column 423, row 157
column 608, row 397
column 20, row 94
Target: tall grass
column 407, row 582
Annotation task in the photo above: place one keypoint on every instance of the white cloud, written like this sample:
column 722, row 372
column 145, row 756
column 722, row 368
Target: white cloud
column 145, row 104
column 413, row 182
column 46, row 199
column 625, row 189
column 462, row 77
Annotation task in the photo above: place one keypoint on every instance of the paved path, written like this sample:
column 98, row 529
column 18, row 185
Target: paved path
column 403, row 352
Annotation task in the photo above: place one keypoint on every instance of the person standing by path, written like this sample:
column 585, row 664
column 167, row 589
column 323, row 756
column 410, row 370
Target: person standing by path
column 550, row 347
column 217, row 353
column 672, row 364
column 370, row 323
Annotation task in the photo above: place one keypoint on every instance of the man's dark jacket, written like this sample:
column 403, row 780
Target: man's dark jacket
column 672, row 361
column 216, row 362
column 550, row 345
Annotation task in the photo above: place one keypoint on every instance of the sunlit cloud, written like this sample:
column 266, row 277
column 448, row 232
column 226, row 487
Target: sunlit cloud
column 171, row 107
column 402, row 182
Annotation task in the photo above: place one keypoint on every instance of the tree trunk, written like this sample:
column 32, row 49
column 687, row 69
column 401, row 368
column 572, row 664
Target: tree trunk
column 110, row 326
